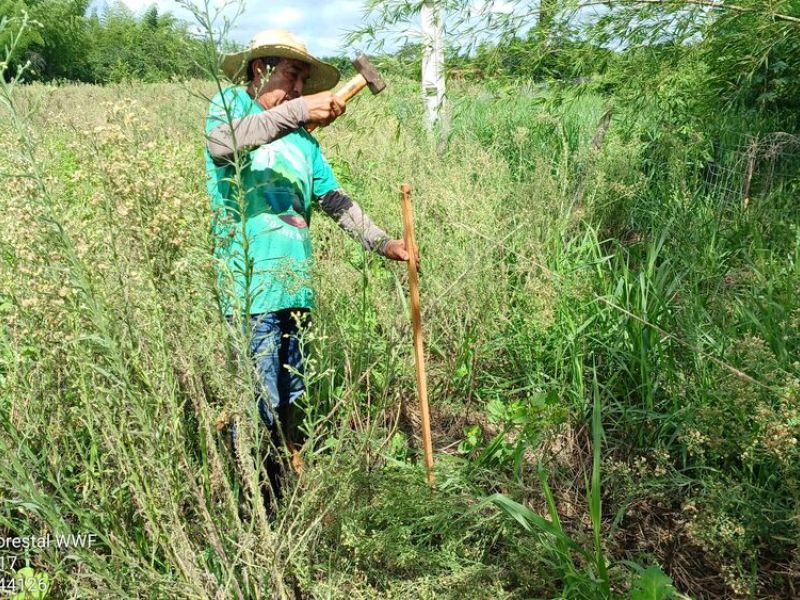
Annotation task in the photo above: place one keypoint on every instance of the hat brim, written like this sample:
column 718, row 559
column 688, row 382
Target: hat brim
column 322, row 76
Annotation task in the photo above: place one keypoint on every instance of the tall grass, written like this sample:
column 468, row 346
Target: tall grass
column 546, row 325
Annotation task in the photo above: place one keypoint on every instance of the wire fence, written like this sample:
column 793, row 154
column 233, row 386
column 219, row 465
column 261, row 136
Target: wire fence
column 755, row 165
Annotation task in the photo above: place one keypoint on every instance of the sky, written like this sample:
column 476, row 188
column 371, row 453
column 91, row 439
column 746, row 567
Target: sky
column 321, row 24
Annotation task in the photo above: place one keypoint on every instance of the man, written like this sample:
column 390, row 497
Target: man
column 264, row 172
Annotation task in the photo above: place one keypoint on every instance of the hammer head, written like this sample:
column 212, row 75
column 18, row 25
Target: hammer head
column 367, row 70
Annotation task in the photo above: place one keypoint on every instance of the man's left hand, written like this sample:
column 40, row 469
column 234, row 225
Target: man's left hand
column 396, row 250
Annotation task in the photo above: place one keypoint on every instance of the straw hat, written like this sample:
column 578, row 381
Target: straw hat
column 281, row 43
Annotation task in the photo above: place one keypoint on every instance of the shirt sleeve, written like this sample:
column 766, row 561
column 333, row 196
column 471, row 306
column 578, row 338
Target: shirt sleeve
column 224, row 108
column 256, row 129
column 324, row 179
column 354, row 221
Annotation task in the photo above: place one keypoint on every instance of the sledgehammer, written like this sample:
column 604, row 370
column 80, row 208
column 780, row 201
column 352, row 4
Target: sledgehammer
column 368, row 76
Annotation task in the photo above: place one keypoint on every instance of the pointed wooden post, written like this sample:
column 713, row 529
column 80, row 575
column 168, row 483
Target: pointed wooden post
column 416, row 322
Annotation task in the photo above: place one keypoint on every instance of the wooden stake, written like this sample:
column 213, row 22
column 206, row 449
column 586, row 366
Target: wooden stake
column 416, row 322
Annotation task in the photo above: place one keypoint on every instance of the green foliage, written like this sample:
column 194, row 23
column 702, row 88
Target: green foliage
column 744, row 47
column 115, row 45
column 12, row 11
column 522, row 423
column 652, row 584
column 154, row 48
column 31, row 585
column 639, row 340
column 538, row 56
column 698, row 59
column 593, row 581
column 63, row 53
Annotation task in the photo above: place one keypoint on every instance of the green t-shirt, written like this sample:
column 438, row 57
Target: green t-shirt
column 261, row 215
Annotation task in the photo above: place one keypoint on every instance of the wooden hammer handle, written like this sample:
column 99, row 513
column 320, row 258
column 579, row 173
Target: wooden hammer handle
column 350, row 89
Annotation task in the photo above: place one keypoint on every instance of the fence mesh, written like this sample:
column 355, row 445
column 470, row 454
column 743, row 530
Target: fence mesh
column 756, row 166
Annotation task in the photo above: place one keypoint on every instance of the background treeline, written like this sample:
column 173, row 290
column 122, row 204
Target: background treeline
column 72, row 42
column 703, row 62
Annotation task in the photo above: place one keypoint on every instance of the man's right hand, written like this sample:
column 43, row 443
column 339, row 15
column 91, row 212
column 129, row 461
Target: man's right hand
column 324, row 108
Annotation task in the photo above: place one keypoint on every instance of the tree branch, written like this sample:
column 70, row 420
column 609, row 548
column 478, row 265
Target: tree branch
column 707, row 3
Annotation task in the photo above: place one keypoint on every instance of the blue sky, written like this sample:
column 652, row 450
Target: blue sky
column 321, row 24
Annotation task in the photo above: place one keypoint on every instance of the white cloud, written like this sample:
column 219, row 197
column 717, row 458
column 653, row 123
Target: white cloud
column 501, row 6
column 284, row 17
column 329, row 44
column 492, row 6
column 333, row 10
column 136, row 5
column 320, row 25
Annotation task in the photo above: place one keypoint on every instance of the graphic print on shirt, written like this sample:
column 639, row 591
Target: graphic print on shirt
column 284, row 178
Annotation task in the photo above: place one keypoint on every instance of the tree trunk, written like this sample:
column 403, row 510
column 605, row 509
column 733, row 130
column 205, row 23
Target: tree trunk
column 433, row 86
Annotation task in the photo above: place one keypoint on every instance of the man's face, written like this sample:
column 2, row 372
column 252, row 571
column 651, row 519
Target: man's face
column 285, row 83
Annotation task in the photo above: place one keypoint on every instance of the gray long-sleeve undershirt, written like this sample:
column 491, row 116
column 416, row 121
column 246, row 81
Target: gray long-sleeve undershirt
column 227, row 139
column 354, row 221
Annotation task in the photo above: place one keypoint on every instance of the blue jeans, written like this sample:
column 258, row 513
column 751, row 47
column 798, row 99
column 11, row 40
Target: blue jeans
column 276, row 349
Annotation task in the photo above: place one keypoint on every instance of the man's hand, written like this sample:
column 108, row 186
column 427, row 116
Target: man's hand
column 396, row 250
column 323, row 108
